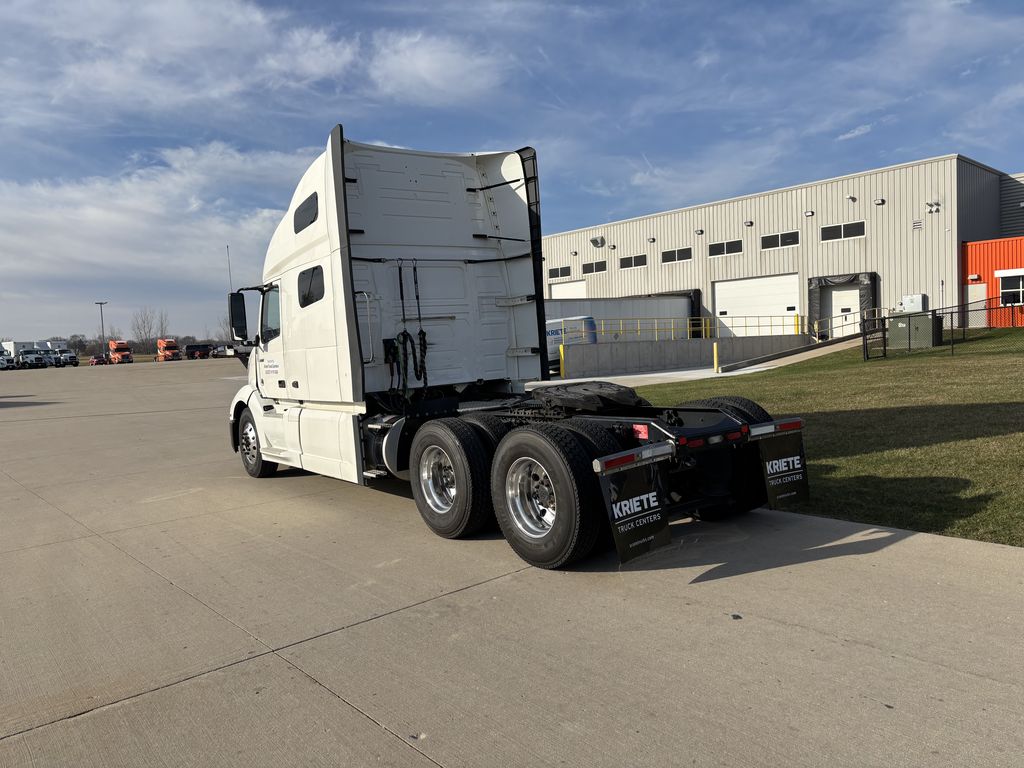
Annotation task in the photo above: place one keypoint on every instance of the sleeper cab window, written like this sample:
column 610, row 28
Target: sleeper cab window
column 311, row 286
column 306, row 213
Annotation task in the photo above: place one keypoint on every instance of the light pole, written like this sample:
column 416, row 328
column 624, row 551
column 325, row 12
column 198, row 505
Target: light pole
column 231, row 285
column 103, row 333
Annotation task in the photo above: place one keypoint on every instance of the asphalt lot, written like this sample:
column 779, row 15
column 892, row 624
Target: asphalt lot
column 159, row 607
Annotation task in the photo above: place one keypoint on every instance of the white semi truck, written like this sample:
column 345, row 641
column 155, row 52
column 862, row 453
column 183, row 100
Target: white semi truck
column 400, row 317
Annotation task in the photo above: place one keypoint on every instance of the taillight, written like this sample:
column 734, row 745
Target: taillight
column 697, row 442
column 786, row 426
column 733, row 435
column 619, row 461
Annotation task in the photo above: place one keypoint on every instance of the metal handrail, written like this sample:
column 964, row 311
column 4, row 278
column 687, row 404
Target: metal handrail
column 676, row 328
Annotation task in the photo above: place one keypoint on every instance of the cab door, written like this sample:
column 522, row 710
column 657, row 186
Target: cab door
column 270, row 367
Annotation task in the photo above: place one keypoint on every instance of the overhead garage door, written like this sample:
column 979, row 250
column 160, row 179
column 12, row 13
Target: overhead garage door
column 757, row 306
column 571, row 289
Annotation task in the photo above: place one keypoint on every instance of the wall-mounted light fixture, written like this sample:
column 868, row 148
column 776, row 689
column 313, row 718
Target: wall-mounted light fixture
column 698, row 231
column 611, row 247
column 879, row 201
column 851, row 198
column 650, row 239
column 974, row 277
column 574, row 253
column 808, row 213
column 597, row 242
column 748, row 223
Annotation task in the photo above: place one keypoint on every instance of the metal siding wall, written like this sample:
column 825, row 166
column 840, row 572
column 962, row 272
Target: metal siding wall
column 907, row 261
column 1011, row 198
column 978, row 192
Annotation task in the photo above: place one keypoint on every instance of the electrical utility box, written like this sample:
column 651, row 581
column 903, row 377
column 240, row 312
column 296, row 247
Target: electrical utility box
column 915, row 330
column 916, row 302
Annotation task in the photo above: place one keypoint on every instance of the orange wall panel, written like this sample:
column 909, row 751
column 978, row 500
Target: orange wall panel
column 983, row 258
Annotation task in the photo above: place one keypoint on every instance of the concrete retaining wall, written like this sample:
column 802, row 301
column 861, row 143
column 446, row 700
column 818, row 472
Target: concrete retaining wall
column 587, row 360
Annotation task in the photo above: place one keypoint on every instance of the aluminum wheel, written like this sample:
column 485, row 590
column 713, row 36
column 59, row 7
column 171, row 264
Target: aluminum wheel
column 250, row 444
column 531, row 497
column 437, row 479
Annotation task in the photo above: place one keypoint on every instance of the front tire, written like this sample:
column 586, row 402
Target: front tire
column 450, row 481
column 546, row 496
column 249, row 448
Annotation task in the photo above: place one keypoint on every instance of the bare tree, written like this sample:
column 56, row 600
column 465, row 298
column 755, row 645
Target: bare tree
column 143, row 326
column 224, row 329
column 162, row 325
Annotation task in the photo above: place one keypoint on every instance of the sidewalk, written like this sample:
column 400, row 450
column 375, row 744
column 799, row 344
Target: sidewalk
column 692, row 374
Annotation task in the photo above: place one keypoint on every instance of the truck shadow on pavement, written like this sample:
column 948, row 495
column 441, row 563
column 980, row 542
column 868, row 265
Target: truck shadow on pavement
column 20, row 401
column 765, row 540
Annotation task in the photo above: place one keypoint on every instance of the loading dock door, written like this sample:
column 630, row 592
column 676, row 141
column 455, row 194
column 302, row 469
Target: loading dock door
column 757, row 306
column 840, row 311
column 571, row 289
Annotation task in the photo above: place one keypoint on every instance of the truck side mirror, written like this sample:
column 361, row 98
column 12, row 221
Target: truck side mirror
column 236, row 316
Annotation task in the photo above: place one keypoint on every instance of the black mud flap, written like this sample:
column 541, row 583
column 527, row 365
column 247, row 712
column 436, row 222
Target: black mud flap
column 785, row 468
column 638, row 509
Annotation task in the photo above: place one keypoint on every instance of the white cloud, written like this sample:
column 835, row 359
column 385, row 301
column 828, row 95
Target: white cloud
column 154, row 235
column 853, row 133
column 423, row 69
column 730, row 168
column 103, row 60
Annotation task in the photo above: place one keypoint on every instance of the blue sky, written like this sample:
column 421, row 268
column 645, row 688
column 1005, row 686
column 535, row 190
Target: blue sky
column 138, row 139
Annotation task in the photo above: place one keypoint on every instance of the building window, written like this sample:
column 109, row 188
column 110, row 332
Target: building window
column 590, row 267
column 628, row 262
column 680, row 254
column 781, row 240
column 1011, row 290
column 311, row 286
column 559, row 272
column 721, row 249
column 842, row 231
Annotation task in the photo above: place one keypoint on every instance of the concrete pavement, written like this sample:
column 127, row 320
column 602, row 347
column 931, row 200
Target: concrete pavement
column 159, row 607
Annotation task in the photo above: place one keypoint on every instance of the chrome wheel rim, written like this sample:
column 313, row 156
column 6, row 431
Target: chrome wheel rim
column 531, row 497
column 250, row 444
column 437, row 480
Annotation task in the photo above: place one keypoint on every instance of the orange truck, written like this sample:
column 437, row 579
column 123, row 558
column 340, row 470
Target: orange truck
column 167, row 349
column 119, row 351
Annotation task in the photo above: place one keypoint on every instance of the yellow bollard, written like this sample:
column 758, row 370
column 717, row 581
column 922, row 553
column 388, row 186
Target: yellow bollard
column 796, row 324
column 715, row 348
column 561, row 360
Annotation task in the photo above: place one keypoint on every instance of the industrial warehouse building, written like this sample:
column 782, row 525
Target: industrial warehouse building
column 779, row 261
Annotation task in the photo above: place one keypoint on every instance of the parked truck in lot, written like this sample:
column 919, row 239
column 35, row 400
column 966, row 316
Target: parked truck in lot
column 166, row 350
column 119, row 352
column 198, row 351
column 400, row 317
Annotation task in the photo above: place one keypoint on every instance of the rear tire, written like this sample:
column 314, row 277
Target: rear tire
column 450, row 481
column 754, row 411
column 249, row 448
column 546, row 496
column 490, row 429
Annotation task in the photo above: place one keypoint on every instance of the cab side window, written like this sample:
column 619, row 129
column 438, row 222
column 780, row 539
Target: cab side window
column 270, row 317
column 311, row 286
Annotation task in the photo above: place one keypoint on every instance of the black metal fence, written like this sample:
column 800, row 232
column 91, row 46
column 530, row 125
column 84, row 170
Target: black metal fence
column 986, row 327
